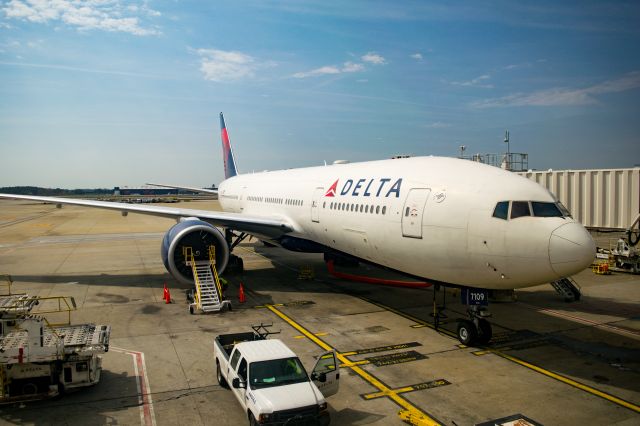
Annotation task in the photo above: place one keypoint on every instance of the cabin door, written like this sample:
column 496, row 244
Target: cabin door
column 413, row 212
column 315, row 205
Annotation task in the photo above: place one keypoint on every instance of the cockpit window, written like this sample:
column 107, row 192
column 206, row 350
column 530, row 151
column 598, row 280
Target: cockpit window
column 541, row 209
column 502, row 210
column 519, row 209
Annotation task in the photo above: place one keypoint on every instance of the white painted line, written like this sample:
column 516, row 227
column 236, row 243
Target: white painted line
column 602, row 326
column 147, row 415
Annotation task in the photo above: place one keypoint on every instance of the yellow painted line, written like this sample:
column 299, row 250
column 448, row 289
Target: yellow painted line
column 352, row 363
column 349, row 353
column 571, row 382
column 317, row 334
column 480, row 353
column 375, row 395
column 406, row 405
column 266, row 306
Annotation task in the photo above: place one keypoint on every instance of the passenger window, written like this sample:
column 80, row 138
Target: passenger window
column 234, row 359
column 384, row 209
column 519, row 209
column 377, row 209
column 406, row 212
column 361, row 208
column 502, row 210
column 545, row 209
column 242, row 370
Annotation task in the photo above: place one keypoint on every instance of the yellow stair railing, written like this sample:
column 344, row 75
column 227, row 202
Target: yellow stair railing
column 212, row 261
column 191, row 261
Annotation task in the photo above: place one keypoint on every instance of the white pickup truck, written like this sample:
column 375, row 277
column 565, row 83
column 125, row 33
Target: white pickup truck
column 271, row 383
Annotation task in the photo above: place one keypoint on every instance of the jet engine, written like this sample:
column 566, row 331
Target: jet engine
column 198, row 235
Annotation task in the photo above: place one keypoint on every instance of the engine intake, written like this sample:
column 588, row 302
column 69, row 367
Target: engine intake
column 198, row 235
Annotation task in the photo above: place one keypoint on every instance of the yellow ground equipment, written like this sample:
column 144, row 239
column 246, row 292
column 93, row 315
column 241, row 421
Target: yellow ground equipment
column 208, row 291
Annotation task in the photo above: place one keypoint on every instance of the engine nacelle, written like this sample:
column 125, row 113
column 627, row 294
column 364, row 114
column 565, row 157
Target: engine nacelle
column 199, row 236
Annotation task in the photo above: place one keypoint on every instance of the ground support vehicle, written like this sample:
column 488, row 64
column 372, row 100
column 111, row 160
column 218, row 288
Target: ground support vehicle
column 270, row 382
column 38, row 360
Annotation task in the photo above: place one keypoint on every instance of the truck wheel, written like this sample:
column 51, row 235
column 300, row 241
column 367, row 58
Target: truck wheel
column 252, row 420
column 221, row 380
column 29, row 389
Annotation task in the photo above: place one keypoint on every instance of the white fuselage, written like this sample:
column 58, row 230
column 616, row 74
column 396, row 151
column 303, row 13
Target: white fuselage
column 430, row 217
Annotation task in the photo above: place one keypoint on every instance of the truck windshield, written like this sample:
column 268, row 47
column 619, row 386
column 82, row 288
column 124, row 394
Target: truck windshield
column 276, row 372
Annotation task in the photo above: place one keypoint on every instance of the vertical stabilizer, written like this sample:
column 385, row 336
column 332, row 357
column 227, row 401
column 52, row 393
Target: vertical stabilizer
column 227, row 153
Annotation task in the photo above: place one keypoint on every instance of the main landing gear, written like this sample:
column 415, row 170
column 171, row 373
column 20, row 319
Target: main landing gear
column 473, row 331
column 235, row 264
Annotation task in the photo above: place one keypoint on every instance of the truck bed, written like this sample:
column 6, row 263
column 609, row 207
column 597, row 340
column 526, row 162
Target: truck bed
column 228, row 341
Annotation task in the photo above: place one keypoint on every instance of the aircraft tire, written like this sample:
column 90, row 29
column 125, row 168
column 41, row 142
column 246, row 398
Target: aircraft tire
column 467, row 333
column 484, row 327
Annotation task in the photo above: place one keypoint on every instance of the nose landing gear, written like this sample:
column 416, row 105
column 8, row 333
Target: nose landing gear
column 477, row 329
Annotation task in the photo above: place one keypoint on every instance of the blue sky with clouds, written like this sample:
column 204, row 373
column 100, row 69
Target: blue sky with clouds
column 108, row 92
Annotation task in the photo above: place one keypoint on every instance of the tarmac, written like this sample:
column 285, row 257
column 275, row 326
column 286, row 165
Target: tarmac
column 551, row 362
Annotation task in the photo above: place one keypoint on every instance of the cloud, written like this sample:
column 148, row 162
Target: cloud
column 105, row 15
column 220, row 65
column 347, row 67
column 476, row 82
column 352, row 67
column 373, row 58
column 437, row 125
column 417, row 56
column 565, row 96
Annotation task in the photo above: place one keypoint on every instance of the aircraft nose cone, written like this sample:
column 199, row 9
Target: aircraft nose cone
column 571, row 249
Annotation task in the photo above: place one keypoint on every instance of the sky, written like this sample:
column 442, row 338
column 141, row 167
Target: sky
column 105, row 93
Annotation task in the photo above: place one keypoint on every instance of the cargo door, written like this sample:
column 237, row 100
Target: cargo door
column 326, row 374
column 413, row 212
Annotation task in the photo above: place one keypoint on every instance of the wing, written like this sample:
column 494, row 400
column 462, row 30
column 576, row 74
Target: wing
column 188, row 188
column 266, row 227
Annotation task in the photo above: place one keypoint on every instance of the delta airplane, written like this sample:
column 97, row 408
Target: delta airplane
column 448, row 221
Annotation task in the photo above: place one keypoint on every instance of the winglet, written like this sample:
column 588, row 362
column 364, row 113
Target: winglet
column 227, row 153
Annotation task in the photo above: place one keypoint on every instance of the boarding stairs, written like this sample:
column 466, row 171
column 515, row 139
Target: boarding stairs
column 208, row 294
column 568, row 289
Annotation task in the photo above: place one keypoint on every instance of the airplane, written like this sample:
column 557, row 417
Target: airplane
column 448, row 221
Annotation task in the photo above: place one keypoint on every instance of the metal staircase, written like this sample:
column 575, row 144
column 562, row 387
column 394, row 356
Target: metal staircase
column 208, row 294
column 568, row 289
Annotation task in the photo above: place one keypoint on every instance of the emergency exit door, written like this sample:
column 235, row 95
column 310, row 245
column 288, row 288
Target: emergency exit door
column 413, row 211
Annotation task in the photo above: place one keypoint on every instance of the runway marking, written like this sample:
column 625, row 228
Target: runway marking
column 147, row 415
column 382, row 349
column 411, row 388
column 390, row 393
column 396, row 358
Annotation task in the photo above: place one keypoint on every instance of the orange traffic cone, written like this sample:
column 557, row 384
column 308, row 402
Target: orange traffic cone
column 241, row 297
column 166, row 295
